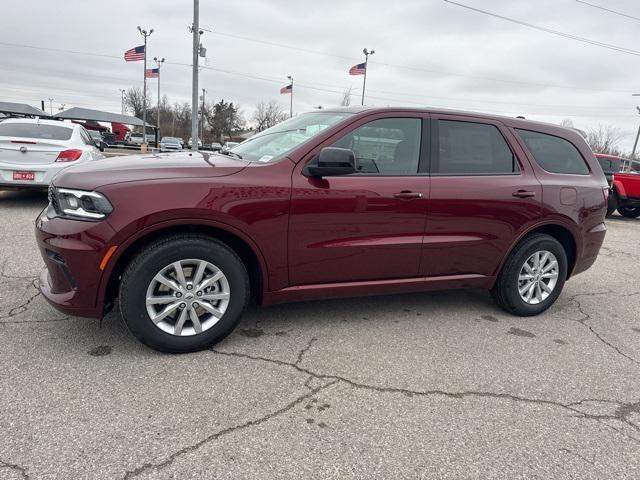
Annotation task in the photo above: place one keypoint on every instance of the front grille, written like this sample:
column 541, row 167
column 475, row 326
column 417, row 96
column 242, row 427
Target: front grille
column 53, row 200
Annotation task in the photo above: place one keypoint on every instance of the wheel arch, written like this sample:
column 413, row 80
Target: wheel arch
column 234, row 239
column 556, row 230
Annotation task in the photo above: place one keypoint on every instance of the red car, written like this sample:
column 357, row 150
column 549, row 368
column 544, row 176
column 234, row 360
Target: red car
column 327, row 204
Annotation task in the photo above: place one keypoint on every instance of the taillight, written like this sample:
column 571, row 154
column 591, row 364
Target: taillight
column 69, row 155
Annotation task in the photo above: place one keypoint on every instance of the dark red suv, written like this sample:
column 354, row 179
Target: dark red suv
column 332, row 203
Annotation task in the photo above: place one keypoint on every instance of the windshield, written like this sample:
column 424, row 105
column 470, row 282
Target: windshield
column 170, row 140
column 35, row 130
column 275, row 142
column 95, row 134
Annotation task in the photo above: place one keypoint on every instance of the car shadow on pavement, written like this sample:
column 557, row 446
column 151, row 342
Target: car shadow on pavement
column 23, row 198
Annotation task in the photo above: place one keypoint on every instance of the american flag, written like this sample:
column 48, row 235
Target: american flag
column 134, row 54
column 358, row 69
column 287, row 89
column 152, row 72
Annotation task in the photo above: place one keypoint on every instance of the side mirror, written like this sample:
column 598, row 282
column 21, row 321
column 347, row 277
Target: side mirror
column 331, row 162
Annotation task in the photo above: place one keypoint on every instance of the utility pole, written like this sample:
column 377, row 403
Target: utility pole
column 51, row 106
column 123, row 94
column 290, row 77
column 635, row 144
column 145, row 34
column 202, row 116
column 195, row 30
column 366, row 69
column 159, row 62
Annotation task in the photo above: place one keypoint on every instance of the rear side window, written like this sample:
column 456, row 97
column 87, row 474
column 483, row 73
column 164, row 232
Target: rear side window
column 467, row 148
column 554, row 154
column 35, row 130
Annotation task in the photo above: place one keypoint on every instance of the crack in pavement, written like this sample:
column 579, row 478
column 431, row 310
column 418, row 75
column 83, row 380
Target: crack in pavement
column 622, row 413
column 23, row 306
column 587, row 316
column 15, row 467
column 52, row 320
column 302, row 352
column 214, row 436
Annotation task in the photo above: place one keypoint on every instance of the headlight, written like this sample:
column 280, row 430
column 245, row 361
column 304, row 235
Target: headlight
column 79, row 204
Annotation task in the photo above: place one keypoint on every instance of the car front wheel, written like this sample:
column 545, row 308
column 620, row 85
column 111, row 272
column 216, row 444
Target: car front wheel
column 184, row 293
column 532, row 277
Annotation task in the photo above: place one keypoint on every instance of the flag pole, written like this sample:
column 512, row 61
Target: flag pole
column 290, row 77
column 366, row 68
column 145, row 34
column 159, row 62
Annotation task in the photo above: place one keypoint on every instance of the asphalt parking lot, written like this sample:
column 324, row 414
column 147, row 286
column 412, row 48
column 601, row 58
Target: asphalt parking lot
column 424, row 386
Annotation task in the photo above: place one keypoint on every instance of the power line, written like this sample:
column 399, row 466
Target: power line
column 549, row 30
column 608, row 10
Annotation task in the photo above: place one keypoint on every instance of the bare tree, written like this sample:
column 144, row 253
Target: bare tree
column 268, row 114
column 567, row 122
column 346, row 98
column 604, row 139
column 133, row 101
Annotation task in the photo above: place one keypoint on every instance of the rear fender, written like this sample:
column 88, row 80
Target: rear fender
column 618, row 187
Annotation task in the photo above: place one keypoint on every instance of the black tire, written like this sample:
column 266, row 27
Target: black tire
column 505, row 291
column 612, row 204
column 154, row 257
column 629, row 212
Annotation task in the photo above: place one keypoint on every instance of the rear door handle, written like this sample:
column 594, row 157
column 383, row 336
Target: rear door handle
column 407, row 195
column 524, row 194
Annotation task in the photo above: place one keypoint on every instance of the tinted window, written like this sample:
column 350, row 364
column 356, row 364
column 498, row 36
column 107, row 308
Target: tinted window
column 554, row 154
column 466, row 148
column 86, row 138
column 389, row 146
column 35, row 130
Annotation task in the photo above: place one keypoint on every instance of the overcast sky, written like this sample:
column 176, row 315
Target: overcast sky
column 428, row 52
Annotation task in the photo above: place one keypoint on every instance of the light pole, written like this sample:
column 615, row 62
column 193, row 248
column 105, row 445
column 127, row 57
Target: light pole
column 195, row 30
column 366, row 69
column 290, row 77
column 51, row 106
column 159, row 62
column 635, row 144
column 123, row 95
column 145, row 34
column 202, row 116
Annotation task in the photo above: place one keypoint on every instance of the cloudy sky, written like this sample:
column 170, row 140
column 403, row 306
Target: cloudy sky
column 428, row 53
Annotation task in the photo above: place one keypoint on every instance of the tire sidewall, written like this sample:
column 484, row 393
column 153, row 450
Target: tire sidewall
column 511, row 294
column 137, row 278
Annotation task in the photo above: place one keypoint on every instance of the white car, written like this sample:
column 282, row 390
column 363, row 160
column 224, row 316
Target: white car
column 136, row 138
column 170, row 144
column 33, row 151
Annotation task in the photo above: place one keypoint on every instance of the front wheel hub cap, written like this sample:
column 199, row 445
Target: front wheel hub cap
column 171, row 297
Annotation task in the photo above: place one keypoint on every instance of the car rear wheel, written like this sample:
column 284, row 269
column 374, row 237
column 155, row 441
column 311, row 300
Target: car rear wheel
column 532, row 277
column 629, row 212
column 612, row 204
column 184, row 293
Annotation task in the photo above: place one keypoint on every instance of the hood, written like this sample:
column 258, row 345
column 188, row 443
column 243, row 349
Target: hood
column 133, row 168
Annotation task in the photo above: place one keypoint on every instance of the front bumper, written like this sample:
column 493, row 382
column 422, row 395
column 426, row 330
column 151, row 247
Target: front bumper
column 72, row 251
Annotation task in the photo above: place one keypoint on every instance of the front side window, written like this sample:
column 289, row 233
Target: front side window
column 554, row 154
column 390, row 146
column 467, row 148
column 275, row 142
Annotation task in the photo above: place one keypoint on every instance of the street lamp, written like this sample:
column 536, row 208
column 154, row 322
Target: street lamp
column 290, row 77
column 635, row 144
column 146, row 34
column 366, row 68
column 123, row 95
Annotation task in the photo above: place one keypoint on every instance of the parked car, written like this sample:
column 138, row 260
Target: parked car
column 610, row 164
column 33, row 151
column 170, row 144
column 136, row 138
column 109, row 138
column 97, row 139
column 228, row 146
column 216, row 147
column 625, row 193
column 151, row 138
column 191, row 143
column 331, row 203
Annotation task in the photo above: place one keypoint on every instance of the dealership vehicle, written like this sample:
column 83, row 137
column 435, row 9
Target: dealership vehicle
column 170, row 144
column 97, row 139
column 137, row 138
column 228, row 146
column 332, row 203
column 190, row 144
column 625, row 193
column 33, row 151
column 216, row 147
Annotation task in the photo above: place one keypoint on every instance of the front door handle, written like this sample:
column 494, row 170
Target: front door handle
column 524, row 194
column 407, row 195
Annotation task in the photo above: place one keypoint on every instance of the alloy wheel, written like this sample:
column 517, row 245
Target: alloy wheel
column 538, row 277
column 187, row 297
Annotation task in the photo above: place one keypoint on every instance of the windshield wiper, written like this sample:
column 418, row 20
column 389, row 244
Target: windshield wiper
column 232, row 154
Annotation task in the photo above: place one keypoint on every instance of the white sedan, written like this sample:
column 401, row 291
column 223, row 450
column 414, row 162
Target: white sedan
column 33, row 151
